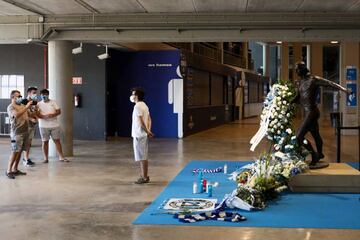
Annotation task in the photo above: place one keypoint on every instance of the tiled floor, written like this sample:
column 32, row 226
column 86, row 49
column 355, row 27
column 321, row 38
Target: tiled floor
column 94, row 197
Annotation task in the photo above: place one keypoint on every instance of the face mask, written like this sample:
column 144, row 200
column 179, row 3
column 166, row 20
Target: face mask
column 19, row 100
column 132, row 98
column 34, row 97
column 44, row 98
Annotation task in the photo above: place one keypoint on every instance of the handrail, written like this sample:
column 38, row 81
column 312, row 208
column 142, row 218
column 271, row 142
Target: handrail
column 338, row 141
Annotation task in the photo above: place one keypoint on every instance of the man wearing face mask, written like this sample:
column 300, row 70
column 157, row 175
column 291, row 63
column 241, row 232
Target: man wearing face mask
column 140, row 132
column 19, row 132
column 49, row 125
column 32, row 113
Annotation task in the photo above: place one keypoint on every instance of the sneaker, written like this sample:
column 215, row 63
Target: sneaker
column 142, row 180
column 28, row 162
column 64, row 160
column 18, row 173
column 10, row 175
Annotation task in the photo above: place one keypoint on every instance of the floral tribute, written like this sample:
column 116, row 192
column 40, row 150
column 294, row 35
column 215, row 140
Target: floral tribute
column 269, row 175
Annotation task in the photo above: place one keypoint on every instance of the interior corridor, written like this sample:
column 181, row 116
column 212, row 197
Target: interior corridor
column 94, row 197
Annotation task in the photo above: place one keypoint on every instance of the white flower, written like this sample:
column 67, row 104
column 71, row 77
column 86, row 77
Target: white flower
column 277, row 147
column 305, row 141
column 278, row 132
column 285, row 120
column 282, row 127
column 293, row 137
column 283, row 112
column 281, row 116
column 279, row 124
column 288, row 131
column 288, row 114
column 284, row 102
column 277, row 108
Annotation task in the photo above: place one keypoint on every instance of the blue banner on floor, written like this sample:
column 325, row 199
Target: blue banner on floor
column 291, row 210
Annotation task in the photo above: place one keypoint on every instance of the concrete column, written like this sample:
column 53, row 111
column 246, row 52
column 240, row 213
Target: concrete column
column 61, row 90
column 297, row 50
column 316, row 65
column 221, row 47
column 246, row 49
column 308, row 56
column 349, row 56
column 266, row 60
column 284, row 61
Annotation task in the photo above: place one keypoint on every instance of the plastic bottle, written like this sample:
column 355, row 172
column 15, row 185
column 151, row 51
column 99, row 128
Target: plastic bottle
column 195, row 188
column 210, row 191
column 204, row 183
column 200, row 183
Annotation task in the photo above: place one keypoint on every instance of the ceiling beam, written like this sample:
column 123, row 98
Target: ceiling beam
column 188, row 27
column 210, row 35
column 200, row 21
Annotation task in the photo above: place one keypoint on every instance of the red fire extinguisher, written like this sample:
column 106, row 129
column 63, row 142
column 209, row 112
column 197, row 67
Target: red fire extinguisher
column 77, row 100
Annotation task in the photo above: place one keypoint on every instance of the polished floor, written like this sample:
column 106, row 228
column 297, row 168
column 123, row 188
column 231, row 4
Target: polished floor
column 94, row 197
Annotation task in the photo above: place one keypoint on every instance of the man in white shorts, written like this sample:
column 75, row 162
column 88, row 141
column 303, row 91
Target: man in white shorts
column 49, row 125
column 140, row 132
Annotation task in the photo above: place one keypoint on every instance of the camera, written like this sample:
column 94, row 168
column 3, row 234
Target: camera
column 25, row 101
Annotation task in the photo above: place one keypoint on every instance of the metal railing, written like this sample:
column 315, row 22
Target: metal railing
column 4, row 124
column 234, row 59
column 338, row 141
column 208, row 51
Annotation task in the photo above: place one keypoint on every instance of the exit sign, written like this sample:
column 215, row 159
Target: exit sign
column 77, row 80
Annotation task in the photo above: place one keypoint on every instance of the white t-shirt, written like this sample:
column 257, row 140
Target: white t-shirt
column 45, row 108
column 140, row 109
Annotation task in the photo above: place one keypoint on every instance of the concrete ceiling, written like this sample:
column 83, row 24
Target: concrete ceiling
column 53, row 7
column 115, row 21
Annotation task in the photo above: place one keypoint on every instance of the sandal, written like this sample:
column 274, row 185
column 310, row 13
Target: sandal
column 18, row 173
column 142, row 180
column 10, row 175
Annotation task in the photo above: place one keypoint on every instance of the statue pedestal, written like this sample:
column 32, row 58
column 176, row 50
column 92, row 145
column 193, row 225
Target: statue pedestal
column 337, row 178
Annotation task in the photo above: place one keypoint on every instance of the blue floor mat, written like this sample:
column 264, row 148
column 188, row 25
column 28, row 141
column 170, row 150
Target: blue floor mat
column 290, row 210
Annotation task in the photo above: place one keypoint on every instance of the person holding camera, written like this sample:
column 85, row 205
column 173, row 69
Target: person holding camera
column 19, row 132
column 49, row 125
column 33, row 120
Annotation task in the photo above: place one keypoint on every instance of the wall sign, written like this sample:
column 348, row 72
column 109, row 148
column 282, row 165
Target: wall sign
column 77, row 80
column 351, row 100
column 351, row 73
